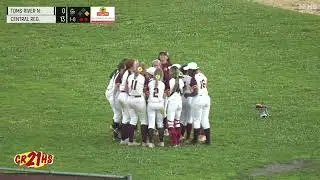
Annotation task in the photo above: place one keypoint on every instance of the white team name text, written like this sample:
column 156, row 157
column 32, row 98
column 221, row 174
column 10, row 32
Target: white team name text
column 24, row 18
column 25, row 10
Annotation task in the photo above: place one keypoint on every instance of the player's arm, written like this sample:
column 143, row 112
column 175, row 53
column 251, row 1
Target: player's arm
column 127, row 87
column 146, row 88
column 117, row 84
column 126, row 77
column 168, row 87
column 194, row 88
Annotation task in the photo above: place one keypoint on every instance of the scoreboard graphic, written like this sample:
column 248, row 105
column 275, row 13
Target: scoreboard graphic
column 60, row 14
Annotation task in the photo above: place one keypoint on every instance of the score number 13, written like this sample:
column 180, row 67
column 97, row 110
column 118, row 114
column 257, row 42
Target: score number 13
column 63, row 17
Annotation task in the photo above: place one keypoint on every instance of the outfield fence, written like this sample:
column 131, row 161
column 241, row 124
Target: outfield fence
column 28, row 174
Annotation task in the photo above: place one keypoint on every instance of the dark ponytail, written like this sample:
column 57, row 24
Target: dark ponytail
column 121, row 65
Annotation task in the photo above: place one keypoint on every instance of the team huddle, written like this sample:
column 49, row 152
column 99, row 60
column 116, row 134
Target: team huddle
column 164, row 98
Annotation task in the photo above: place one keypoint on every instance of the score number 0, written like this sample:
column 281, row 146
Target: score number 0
column 63, row 18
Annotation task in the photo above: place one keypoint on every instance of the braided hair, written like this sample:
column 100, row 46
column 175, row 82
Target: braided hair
column 176, row 74
column 158, row 75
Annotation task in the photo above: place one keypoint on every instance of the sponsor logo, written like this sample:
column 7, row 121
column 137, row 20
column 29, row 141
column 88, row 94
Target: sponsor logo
column 33, row 159
column 103, row 12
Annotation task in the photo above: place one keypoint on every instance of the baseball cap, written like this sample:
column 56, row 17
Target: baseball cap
column 164, row 53
column 151, row 70
column 175, row 65
column 192, row 66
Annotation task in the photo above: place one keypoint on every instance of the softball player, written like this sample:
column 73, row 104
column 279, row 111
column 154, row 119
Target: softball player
column 186, row 119
column 200, row 103
column 156, row 63
column 148, row 76
column 137, row 103
column 123, row 97
column 176, row 85
column 112, row 95
column 165, row 64
column 155, row 109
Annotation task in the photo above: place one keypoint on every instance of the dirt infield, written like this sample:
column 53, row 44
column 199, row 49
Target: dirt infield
column 29, row 176
column 304, row 6
column 24, row 176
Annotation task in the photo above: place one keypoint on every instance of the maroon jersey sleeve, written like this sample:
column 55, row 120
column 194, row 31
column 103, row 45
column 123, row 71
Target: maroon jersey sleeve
column 193, row 82
column 146, row 81
column 166, row 79
column 118, row 79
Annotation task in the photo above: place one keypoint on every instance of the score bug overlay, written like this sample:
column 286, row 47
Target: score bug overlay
column 60, row 14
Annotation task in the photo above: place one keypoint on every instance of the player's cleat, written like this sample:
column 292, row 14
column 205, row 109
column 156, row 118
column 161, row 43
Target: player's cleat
column 177, row 145
column 161, row 144
column 181, row 138
column 116, row 135
column 156, row 132
column 150, row 145
column 202, row 138
column 133, row 143
column 124, row 142
column 263, row 110
column 207, row 143
column 116, row 139
column 187, row 141
column 166, row 132
column 194, row 141
column 144, row 144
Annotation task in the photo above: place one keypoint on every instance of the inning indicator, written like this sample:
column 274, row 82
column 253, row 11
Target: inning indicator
column 78, row 14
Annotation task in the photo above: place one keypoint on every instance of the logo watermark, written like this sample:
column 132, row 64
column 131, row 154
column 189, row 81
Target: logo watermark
column 33, row 159
column 308, row 7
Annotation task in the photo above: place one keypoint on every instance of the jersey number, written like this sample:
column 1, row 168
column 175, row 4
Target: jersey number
column 203, row 84
column 134, row 84
column 155, row 92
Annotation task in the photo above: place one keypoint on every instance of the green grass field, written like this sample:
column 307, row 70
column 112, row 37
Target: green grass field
column 53, row 78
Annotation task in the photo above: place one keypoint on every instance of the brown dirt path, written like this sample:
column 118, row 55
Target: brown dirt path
column 303, row 6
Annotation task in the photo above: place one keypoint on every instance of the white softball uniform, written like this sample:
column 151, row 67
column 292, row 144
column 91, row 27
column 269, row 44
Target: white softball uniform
column 200, row 103
column 123, row 98
column 155, row 107
column 186, row 102
column 136, row 100
column 174, row 106
column 112, row 96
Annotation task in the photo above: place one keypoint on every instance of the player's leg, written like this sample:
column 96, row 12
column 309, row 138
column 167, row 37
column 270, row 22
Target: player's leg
column 189, row 121
column 125, row 123
column 123, row 102
column 196, row 116
column 151, row 122
column 205, row 123
column 109, row 97
column 183, row 117
column 133, row 120
column 177, row 122
column 165, row 119
column 142, row 114
column 159, row 124
column 171, row 110
column 143, row 120
column 117, row 119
